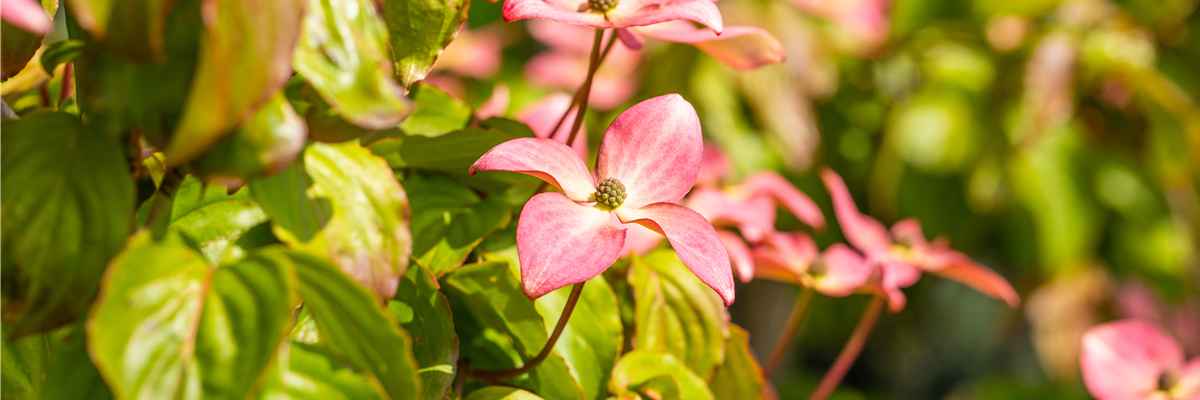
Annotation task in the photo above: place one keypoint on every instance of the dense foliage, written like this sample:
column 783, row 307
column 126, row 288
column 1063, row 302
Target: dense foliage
column 455, row 199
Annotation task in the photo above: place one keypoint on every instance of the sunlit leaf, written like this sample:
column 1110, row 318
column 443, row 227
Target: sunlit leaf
column 592, row 339
column 265, row 145
column 311, row 375
column 501, row 328
column 342, row 53
column 677, row 313
column 658, row 373
column 355, row 327
column 169, row 325
column 740, row 377
column 424, row 313
column 420, row 29
column 67, row 208
column 358, row 206
column 437, row 113
column 501, row 393
column 449, row 220
column 245, row 57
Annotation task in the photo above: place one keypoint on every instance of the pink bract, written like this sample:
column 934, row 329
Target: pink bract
column 625, row 14
column 793, row 257
column 27, row 15
column 1135, row 360
column 739, row 47
column 903, row 254
column 654, row 150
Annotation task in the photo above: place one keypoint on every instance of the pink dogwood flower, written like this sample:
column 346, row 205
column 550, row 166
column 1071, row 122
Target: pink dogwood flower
column 1134, row 360
column 603, row 14
column 750, row 206
column 793, row 257
column 904, row 253
column 648, row 160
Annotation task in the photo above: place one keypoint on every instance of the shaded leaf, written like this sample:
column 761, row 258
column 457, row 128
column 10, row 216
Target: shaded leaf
column 134, row 29
column 245, row 57
column 169, row 325
column 61, row 52
column 361, row 210
column 592, row 339
column 71, row 374
column 501, row 328
column 449, row 220
column 424, row 313
column 265, row 145
column 677, row 313
column 23, row 364
column 342, row 55
column 355, row 327
column 420, row 30
column 740, row 377
column 644, row 370
column 67, row 208
column 501, row 393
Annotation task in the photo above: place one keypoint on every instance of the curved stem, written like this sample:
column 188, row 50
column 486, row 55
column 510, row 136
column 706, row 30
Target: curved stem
column 586, row 90
column 789, row 331
column 850, row 352
column 558, row 330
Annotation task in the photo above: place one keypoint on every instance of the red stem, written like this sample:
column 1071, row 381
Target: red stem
column 789, row 331
column 491, row 375
column 850, row 352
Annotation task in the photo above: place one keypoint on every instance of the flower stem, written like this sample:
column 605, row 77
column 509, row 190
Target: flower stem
column 558, row 330
column 849, row 353
column 789, row 331
column 585, row 91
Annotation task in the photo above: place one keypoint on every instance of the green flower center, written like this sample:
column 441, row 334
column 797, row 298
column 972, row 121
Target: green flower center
column 602, row 5
column 610, row 193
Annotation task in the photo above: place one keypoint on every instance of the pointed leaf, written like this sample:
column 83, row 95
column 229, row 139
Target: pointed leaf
column 740, row 377
column 355, row 327
column 424, row 313
column 449, row 220
column 437, row 113
column 169, row 325
column 265, row 145
column 67, row 208
column 364, row 208
column 592, row 339
column 645, row 370
column 342, row 53
column 420, row 30
column 500, row 325
column 245, row 57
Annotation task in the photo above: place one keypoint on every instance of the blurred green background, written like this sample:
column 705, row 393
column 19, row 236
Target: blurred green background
column 1056, row 142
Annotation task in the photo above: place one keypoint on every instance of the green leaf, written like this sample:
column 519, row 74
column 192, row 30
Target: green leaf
column 19, row 46
column 449, row 220
column 223, row 225
column 437, row 113
column 740, row 377
column 245, row 57
column 168, row 325
column 501, row 393
column 67, row 208
column 134, row 29
column 453, row 152
column 311, row 375
column 354, row 326
column 61, row 52
column 152, row 95
column 341, row 53
column 644, row 370
column 501, row 328
column 592, row 339
column 71, row 374
column 677, row 313
column 420, row 30
column 265, row 145
column 23, row 363
column 422, row 310
column 355, row 199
